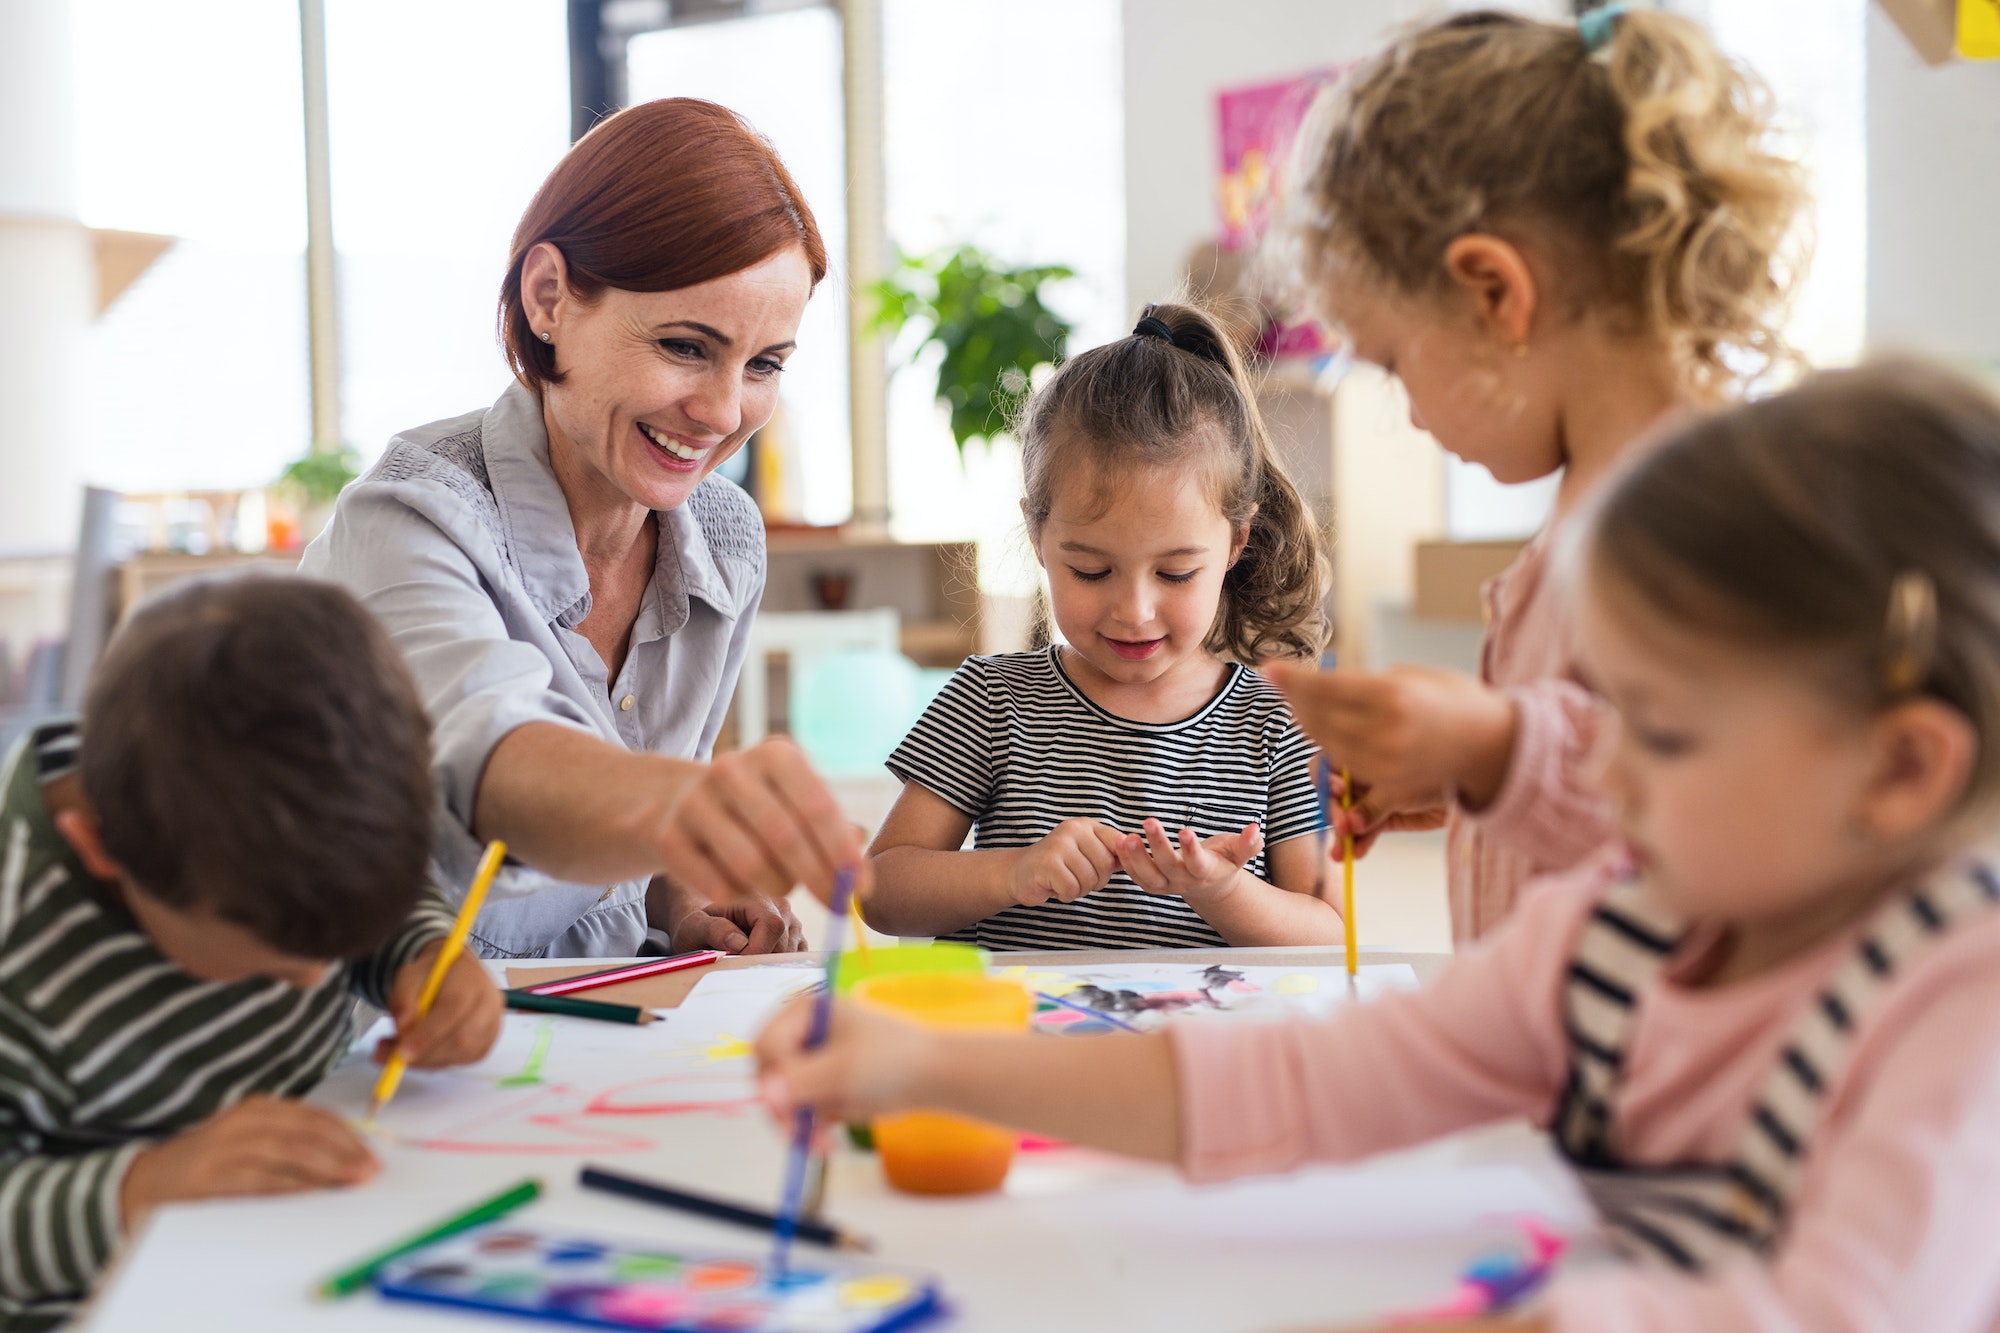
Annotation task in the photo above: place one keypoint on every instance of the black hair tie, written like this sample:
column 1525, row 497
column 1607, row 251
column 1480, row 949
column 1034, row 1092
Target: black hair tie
column 1153, row 327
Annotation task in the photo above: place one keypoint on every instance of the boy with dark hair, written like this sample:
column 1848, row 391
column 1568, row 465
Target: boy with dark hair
column 194, row 888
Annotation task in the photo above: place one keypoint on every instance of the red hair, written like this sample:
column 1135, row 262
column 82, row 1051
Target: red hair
column 660, row 196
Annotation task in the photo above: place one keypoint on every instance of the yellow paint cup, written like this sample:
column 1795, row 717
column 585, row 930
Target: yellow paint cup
column 931, row 1152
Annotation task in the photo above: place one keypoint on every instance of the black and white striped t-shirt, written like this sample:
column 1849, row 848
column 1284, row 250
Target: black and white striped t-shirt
column 1012, row 743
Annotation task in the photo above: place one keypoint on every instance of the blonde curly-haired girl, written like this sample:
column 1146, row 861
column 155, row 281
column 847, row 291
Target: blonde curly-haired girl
column 1559, row 237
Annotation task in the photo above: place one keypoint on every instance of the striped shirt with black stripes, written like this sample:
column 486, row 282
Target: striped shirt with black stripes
column 1012, row 743
column 106, row 1047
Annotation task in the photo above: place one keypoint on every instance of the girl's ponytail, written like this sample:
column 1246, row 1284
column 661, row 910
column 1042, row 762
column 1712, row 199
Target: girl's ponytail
column 1709, row 206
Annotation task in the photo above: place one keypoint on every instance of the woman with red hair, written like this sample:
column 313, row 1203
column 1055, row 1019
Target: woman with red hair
column 571, row 584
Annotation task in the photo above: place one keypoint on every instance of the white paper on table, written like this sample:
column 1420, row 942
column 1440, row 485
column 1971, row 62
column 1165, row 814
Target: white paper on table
column 1145, row 995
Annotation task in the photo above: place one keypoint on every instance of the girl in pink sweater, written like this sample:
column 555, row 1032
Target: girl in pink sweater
column 1764, row 1024
column 1558, row 238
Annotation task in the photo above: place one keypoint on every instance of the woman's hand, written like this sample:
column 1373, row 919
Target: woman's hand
column 1078, row 856
column 1202, row 870
column 757, row 822
column 1412, row 738
column 868, row 1065
column 755, row 925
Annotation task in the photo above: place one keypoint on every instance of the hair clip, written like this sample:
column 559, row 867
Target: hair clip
column 1912, row 631
column 1598, row 27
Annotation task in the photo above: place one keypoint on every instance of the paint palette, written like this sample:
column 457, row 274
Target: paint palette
column 562, row 1278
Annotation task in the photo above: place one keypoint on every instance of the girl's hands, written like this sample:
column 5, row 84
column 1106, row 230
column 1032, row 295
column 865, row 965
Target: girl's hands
column 1413, row 738
column 869, row 1064
column 757, row 822
column 1078, row 856
column 1203, row 871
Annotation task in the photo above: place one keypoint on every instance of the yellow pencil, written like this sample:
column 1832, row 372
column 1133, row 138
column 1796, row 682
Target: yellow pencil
column 454, row 944
column 860, row 929
column 1347, row 874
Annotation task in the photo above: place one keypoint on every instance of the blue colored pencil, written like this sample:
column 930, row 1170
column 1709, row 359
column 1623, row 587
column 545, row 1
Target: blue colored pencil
column 1323, row 788
column 1086, row 1009
column 802, row 1123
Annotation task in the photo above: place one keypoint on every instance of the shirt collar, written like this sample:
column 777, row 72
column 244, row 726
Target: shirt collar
column 534, row 514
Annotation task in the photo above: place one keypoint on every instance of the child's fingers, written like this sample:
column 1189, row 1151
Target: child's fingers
column 312, row 1142
column 1132, row 856
column 784, row 1036
column 1161, row 845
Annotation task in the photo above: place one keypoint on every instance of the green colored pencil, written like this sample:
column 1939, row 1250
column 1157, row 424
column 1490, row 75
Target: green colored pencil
column 353, row 1279
column 575, row 1008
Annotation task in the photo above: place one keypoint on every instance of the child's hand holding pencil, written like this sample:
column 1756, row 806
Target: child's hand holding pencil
column 463, row 1022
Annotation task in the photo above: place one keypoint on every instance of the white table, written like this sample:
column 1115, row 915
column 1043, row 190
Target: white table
column 1076, row 1240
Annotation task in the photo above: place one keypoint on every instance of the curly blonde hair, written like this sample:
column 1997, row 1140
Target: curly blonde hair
column 1187, row 401
column 1649, row 162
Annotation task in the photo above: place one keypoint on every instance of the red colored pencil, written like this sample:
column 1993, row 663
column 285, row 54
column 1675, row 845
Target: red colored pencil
column 611, row 976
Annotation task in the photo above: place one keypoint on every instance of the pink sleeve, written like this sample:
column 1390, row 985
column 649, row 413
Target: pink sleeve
column 1898, row 1221
column 1549, row 809
column 1482, row 1042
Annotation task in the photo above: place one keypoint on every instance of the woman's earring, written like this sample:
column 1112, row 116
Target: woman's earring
column 548, row 338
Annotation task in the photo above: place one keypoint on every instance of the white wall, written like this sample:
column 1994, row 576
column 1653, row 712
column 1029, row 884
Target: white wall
column 1178, row 54
column 1933, row 201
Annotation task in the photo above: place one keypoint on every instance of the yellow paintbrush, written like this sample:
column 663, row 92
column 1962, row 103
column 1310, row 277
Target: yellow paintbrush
column 454, row 943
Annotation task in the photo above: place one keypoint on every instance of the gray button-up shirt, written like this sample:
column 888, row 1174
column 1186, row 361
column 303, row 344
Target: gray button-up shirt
column 460, row 541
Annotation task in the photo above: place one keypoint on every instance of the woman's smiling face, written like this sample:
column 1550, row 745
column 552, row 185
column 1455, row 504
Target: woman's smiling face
column 659, row 388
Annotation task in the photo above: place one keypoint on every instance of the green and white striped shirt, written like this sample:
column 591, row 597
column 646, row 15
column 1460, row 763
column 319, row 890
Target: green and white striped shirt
column 106, row 1047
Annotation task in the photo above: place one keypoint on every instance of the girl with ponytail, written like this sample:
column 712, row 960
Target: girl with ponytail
column 1560, row 238
column 1137, row 785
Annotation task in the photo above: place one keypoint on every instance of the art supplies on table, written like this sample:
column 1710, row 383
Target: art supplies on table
column 799, row 1168
column 531, row 1002
column 809, row 1229
column 612, row 976
column 561, row 1277
column 357, row 1276
column 1501, row 1280
column 1122, row 997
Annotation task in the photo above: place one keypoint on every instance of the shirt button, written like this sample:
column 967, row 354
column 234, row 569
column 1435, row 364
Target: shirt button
column 625, row 704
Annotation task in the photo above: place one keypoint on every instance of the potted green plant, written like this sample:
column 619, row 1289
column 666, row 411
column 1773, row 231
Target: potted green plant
column 309, row 486
column 991, row 322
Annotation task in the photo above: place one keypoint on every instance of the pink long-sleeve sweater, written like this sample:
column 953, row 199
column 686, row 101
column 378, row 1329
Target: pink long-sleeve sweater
column 1548, row 814
column 1896, row 1220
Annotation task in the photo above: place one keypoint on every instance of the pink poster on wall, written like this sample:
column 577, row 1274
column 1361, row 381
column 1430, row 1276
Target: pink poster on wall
column 1255, row 129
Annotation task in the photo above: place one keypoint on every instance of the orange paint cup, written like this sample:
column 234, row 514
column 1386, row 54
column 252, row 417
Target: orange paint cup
column 931, row 1152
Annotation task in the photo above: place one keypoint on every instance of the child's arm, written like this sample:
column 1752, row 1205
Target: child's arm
column 1482, row 1042
column 1517, row 761
column 1119, row 1093
column 924, row 885
column 1245, row 910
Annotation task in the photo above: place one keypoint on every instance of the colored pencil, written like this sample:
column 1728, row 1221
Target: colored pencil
column 802, row 1122
column 529, row 1002
column 1060, row 1002
column 454, row 944
column 1347, row 875
column 1323, row 788
column 611, row 976
column 720, row 1210
column 352, row 1279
